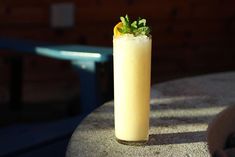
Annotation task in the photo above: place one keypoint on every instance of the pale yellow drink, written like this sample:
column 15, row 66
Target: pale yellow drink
column 132, row 62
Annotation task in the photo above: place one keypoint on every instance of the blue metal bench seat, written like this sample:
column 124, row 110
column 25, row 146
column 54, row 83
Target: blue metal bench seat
column 83, row 58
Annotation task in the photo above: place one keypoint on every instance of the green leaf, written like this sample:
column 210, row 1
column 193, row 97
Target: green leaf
column 123, row 20
column 142, row 22
column 134, row 24
column 136, row 28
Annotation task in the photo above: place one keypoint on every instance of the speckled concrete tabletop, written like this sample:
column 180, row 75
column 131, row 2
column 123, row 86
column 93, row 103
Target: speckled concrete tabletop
column 180, row 113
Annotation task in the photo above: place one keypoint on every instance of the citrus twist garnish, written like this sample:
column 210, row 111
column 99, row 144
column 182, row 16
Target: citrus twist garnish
column 116, row 32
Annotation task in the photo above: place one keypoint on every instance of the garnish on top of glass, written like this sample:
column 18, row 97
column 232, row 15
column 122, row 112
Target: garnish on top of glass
column 135, row 28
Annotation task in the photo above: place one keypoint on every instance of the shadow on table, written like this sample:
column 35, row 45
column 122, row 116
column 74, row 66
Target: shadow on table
column 177, row 103
column 177, row 138
column 174, row 121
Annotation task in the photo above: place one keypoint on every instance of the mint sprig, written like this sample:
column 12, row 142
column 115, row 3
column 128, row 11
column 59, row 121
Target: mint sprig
column 136, row 28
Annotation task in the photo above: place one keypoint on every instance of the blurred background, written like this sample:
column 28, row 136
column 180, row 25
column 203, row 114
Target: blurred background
column 190, row 37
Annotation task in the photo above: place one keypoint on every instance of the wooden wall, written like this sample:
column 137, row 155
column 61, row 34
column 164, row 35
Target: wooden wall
column 188, row 35
column 182, row 29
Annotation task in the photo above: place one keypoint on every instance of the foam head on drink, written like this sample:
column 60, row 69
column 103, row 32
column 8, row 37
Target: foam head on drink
column 132, row 68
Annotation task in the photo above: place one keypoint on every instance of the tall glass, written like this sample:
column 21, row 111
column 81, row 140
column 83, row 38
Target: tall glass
column 132, row 70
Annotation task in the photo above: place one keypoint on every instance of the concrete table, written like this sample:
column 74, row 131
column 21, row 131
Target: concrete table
column 180, row 113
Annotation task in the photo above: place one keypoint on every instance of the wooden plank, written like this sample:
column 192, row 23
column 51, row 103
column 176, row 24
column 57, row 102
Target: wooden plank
column 24, row 14
column 47, row 69
column 209, row 39
column 46, row 91
column 36, row 34
column 108, row 13
column 217, row 10
column 200, row 26
column 203, row 2
column 169, row 39
column 24, row 2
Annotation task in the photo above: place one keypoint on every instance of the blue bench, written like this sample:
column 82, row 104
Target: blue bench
column 36, row 139
column 83, row 58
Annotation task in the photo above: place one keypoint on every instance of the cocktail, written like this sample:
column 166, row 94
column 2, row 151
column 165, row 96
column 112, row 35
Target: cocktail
column 132, row 70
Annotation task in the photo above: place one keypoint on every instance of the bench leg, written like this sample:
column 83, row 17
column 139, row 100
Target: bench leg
column 16, row 80
column 89, row 87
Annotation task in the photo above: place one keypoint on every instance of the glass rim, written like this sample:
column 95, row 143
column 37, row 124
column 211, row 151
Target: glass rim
column 118, row 37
